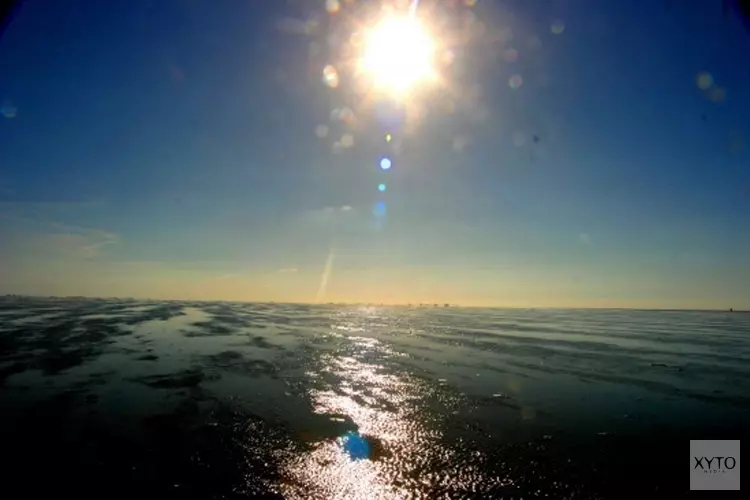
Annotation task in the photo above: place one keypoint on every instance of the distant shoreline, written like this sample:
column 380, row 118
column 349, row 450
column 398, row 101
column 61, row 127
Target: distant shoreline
column 440, row 306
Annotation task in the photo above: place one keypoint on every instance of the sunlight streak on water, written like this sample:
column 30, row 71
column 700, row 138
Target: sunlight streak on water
column 385, row 409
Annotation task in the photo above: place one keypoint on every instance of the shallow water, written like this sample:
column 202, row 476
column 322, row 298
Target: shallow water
column 225, row 400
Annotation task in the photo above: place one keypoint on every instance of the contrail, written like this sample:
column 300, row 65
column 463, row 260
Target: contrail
column 324, row 279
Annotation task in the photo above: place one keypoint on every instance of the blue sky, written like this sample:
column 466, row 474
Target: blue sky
column 169, row 150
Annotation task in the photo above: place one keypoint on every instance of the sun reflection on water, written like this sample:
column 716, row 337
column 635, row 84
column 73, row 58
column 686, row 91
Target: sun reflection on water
column 398, row 415
column 385, row 409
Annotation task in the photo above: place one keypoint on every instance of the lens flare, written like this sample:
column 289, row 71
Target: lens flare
column 385, row 164
column 379, row 209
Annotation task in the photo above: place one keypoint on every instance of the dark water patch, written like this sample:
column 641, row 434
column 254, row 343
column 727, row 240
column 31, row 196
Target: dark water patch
column 162, row 312
column 148, row 357
column 321, row 339
column 299, row 354
column 183, row 379
column 667, row 367
column 417, row 347
column 602, row 328
column 378, row 448
column 491, row 340
column 6, row 370
column 143, row 340
column 57, row 360
column 650, row 385
column 232, row 320
column 290, row 332
column 97, row 379
column 277, row 319
column 187, row 452
column 495, row 369
column 226, row 358
column 507, row 401
column 55, row 332
column 259, row 342
column 19, row 315
column 570, row 352
column 10, row 343
column 210, row 329
column 221, row 453
column 705, row 371
column 229, row 320
column 127, row 350
column 218, row 307
column 57, row 347
column 324, row 426
column 312, row 321
column 237, row 362
column 110, row 327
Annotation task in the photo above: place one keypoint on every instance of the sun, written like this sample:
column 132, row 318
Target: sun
column 398, row 55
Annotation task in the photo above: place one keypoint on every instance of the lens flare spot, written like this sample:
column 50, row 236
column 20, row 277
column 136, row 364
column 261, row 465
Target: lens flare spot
column 381, row 188
column 390, row 114
column 386, row 164
column 321, row 131
column 515, row 82
column 557, row 27
column 347, row 116
column 379, row 210
column 717, row 94
column 704, row 80
column 355, row 446
column 347, row 140
column 388, row 137
column 333, row 6
column 460, row 143
column 510, row 55
column 330, row 77
column 8, row 109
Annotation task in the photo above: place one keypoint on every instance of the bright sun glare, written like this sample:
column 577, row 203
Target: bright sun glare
column 398, row 54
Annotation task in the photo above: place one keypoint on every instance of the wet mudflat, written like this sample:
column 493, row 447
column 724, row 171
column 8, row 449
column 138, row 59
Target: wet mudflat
column 225, row 400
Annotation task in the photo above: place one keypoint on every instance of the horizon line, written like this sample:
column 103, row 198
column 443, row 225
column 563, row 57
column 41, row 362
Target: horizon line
column 433, row 305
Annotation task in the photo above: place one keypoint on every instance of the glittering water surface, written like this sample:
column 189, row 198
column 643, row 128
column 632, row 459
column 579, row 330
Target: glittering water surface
column 224, row 400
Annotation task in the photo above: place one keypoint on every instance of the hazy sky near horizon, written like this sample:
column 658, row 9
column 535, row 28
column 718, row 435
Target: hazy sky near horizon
column 192, row 149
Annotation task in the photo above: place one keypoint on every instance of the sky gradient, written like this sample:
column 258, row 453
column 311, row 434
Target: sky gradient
column 192, row 150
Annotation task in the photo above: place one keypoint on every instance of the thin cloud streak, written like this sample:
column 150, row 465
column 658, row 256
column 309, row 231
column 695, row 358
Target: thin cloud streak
column 44, row 236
